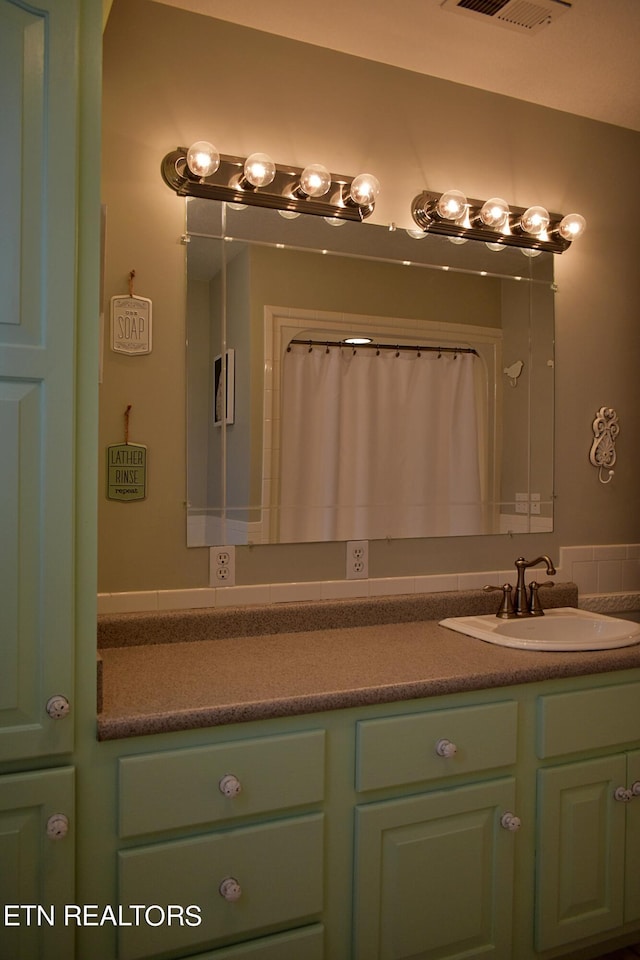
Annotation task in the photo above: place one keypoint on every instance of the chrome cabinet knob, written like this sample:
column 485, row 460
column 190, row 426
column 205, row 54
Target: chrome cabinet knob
column 509, row 821
column 446, row 748
column 57, row 707
column 230, row 786
column 230, row 889
column 57, row 826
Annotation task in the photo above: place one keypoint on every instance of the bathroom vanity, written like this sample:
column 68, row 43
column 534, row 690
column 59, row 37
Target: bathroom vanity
column 413, row 793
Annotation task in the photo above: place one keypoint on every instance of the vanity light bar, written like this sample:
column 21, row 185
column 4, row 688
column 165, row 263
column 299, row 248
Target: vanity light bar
column 259, row 181
column 452, row 215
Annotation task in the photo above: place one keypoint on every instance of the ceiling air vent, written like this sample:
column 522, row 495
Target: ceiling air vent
column 525, row 16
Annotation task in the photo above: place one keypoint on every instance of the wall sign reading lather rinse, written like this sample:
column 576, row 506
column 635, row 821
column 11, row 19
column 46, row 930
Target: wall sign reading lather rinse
column 126, row 468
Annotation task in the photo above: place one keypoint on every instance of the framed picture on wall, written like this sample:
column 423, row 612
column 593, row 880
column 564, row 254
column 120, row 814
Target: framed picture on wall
column 219, row 383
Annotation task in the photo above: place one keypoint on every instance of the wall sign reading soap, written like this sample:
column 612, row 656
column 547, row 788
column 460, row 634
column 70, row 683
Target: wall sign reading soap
column 126, row 468
column 131, row 323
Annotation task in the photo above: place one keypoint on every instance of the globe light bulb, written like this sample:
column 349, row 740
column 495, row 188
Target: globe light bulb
column 451, row 205
column 495, row 246
column 572, row 226
column 315, row 180
column 259, row 170
column 203, row 158
column 334, row 221
column 535, row 221
column 288, row 214
column 458, row 240
column 495, row 212
column 530, row 252
column 364, row 190
column 416, row 233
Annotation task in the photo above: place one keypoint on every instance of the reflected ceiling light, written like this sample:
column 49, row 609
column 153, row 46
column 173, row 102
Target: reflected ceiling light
column 200, row 171
column 495, row 222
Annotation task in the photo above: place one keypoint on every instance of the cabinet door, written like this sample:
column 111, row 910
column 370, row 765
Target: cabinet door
column 434, row 875
column 36, row 869
column 632, row 846
column 38, row 94
column 580, row 850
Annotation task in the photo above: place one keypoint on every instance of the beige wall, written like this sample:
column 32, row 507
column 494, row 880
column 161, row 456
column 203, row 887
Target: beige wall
column 170, row 78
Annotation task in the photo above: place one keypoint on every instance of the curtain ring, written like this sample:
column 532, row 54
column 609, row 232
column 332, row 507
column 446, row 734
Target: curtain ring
column 310, row 346
column 397, row 350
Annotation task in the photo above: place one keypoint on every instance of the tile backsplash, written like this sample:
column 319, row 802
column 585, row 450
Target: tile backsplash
column 607, row 576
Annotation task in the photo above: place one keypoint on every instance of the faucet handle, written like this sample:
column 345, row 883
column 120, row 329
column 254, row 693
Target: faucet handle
column 535, row 607
column 506, row 611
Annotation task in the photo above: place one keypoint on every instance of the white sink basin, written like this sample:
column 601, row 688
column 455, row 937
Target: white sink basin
column 562, row 628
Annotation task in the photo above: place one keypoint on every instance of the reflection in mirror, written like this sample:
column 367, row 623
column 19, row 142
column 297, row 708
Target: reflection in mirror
column 440, row 425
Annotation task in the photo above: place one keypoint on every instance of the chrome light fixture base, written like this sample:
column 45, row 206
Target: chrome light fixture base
column 470, row 227
column 283, row 193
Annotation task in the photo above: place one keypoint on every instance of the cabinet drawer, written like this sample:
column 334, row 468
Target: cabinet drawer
column 181, row 788
column 307, row 943
column 278, row 867
column 402, row 750
column 588, row 719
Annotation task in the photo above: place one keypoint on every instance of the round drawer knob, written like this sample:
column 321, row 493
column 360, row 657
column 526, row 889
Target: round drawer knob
column 510, row 822
column 230, row 786
column 230, row 889
column 57, row 707
column 445, row 748
column 57, row 826
column 623, row 795
column 635, row 788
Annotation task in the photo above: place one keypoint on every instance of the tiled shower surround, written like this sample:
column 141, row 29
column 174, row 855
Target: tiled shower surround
column 607, row 576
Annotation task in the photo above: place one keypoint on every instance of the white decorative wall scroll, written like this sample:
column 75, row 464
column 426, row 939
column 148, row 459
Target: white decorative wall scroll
column 603, row 448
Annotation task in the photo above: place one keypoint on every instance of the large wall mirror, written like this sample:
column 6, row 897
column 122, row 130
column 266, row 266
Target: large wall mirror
column 440, row 425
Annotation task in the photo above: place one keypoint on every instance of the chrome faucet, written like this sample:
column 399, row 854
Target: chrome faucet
column 522, row 606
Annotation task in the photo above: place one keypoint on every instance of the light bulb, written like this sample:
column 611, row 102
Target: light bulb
column 288, row 214
column 364, row 190
column 572, row 226
column 315, row 180
column 451, row 205
column 416, row 233
column 458, row 240
column 530, row 252
column 495, row 246
column 202, row 158
column 259, row 170
column 494, row 212
column 334, row 221
column 535, row 221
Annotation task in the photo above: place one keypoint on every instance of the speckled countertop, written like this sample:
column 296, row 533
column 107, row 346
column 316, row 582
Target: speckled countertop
column 188, row 669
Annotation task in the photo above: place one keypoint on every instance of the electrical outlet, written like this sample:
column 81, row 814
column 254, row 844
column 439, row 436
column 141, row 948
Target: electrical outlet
column 357, row 559
column 522, row 503
column 222, row 566
column 535, row 503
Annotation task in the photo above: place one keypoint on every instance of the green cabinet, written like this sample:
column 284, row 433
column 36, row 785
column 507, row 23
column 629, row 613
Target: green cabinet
column 39, row 85
column 37, row 857
column 588, row 838
column 434, row 863
column 232, row 836
column 434, row 875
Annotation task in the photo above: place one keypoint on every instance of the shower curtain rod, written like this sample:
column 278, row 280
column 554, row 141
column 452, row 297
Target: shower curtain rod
column 383, row 346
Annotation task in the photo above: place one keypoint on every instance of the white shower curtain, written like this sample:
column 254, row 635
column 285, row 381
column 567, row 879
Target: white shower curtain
column 378, row 445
